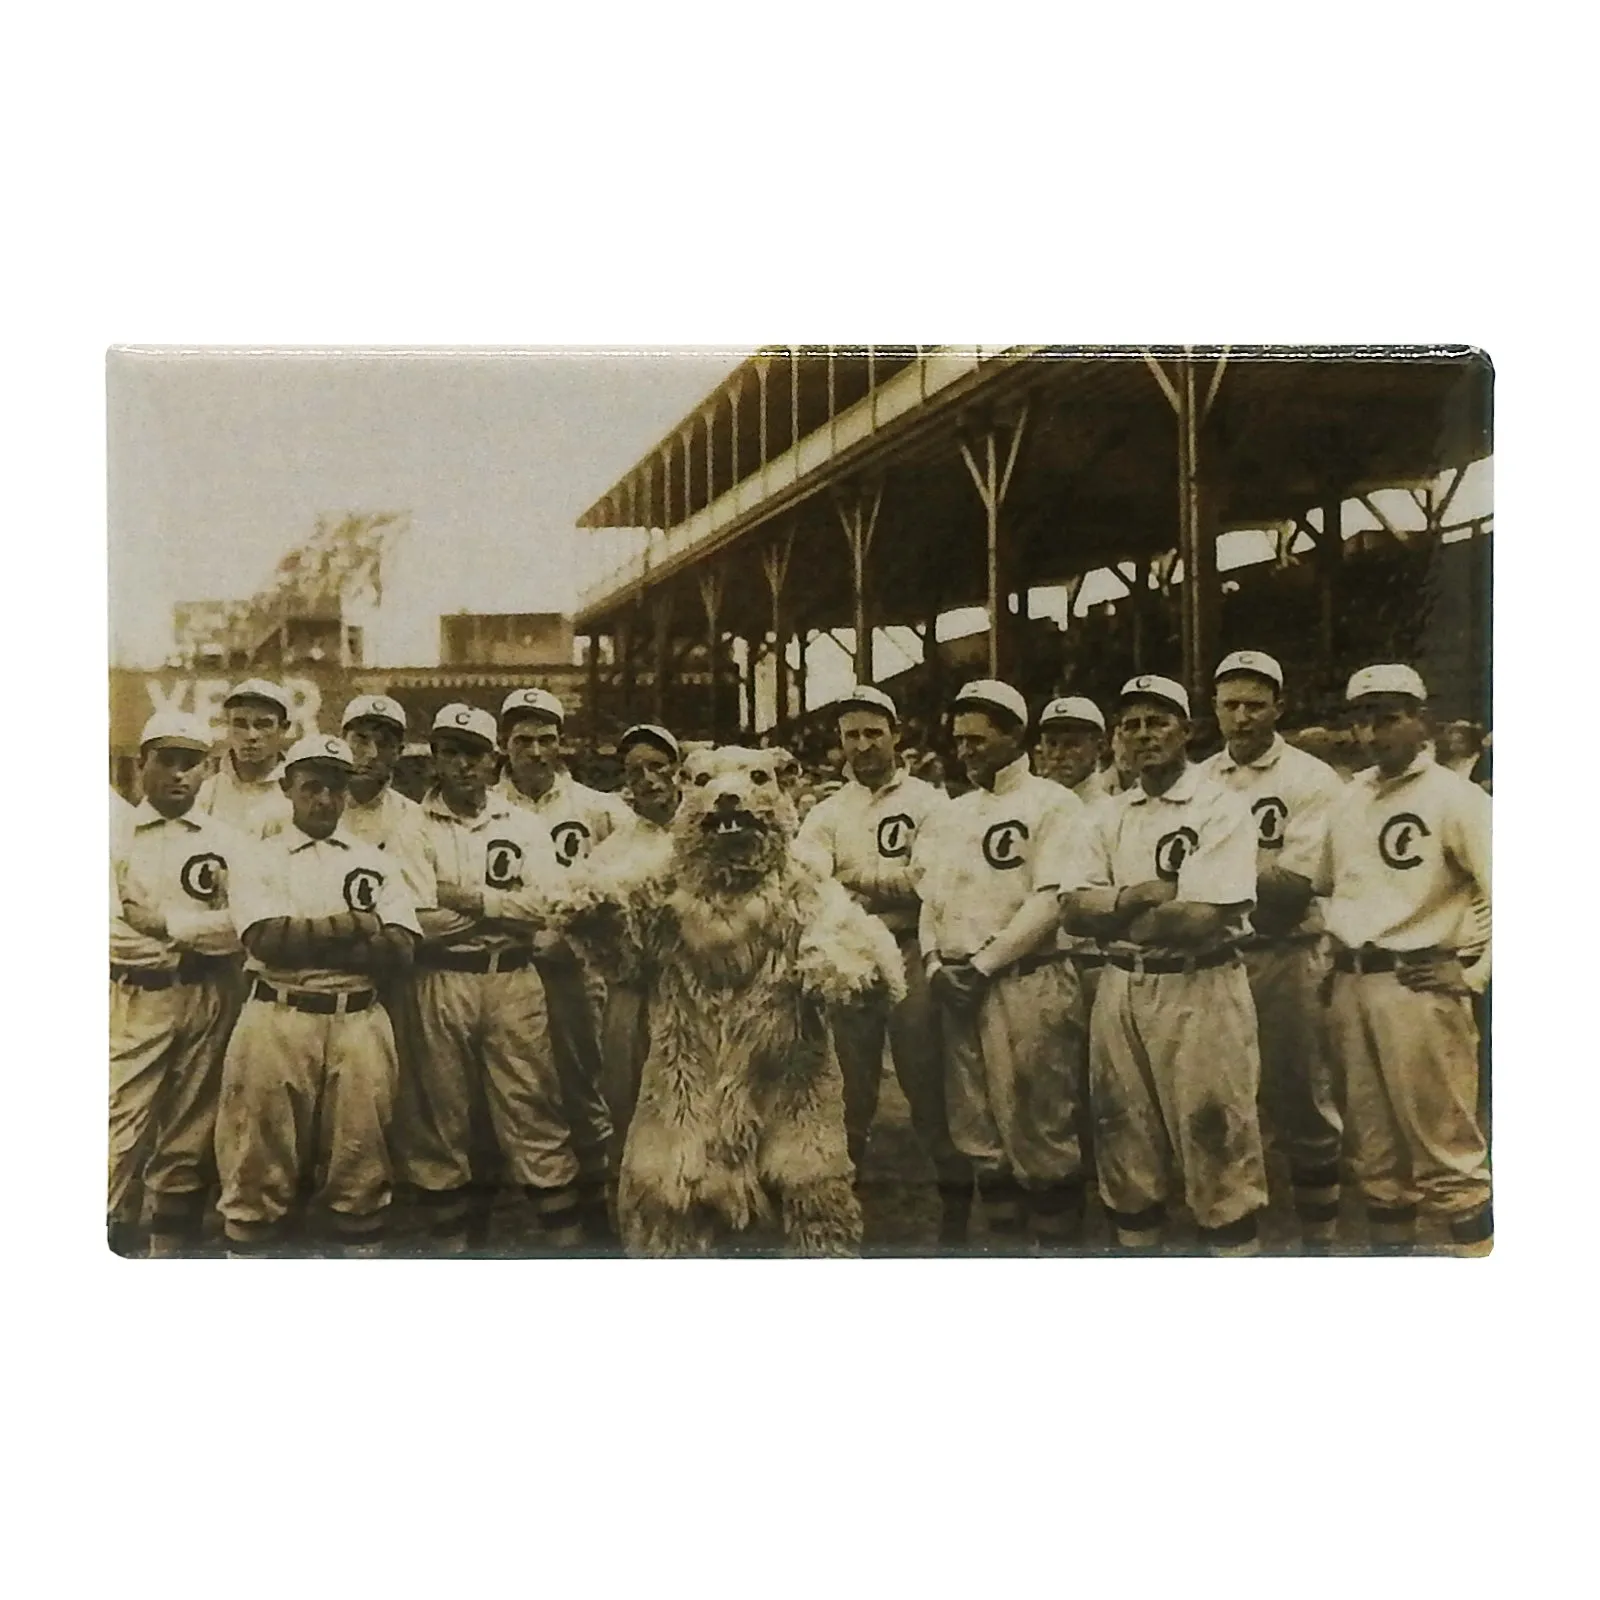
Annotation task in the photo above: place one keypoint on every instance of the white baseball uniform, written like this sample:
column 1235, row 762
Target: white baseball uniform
column 485, row 1023
column 578, row 818
column 1173, row 1063
column 171, row 1007
column 865, row 838
column 308, row 1081
column 1407, row 875
column 1291, row 796
column 1014, row 1066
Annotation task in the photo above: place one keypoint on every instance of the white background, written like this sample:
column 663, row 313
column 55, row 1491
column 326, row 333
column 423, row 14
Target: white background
column 671, row 174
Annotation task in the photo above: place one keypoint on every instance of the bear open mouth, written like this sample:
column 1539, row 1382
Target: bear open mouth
column 730, row 824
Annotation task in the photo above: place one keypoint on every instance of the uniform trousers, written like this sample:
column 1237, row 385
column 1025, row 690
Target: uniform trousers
column 912, row 1030
column 166, row 1071
column 1013, row 1085
column 1410, row 1065
column 575, row 1038
column 306, row 1102
column 484, row 1038
column 1296, row 1072
column 1173, row 1078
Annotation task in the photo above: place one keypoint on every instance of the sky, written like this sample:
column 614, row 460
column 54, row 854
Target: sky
column 220, row 462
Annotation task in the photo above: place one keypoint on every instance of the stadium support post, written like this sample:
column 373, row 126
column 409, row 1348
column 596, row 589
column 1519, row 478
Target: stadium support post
column 593, row 689
column 991, row 472
column 711, row 599
column 775, row 564
column 661, row 621
column 1197, row 534
column 859, row 519
column 1329, row 558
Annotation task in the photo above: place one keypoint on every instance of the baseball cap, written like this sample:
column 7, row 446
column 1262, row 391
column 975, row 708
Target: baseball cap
column 533, row 703
column 415, row 750
column 259, row 689
column 377, row 707
column 1387, row 677
column 650, row 733
column 176, row 728
column 1148, row 686
column 468, row 720
column 321, row 747
column 864, row 697
column 1256, row 661
column 1073, row 708
column 990, row 694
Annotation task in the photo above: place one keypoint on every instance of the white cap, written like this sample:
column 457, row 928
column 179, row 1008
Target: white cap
column 377, row 707
column 651, row 733
column 176, row 728
column 991, row 694
column 1073, row 708
column 259, row 689
column 415, row 749
column 1147, row 686
column 1388, row 677
column 864, row 697
column 533, row 702
column 320, row 747
column 1256, row 661
column 476, row 724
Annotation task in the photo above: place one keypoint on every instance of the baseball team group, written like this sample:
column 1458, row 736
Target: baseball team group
column 1166, row 982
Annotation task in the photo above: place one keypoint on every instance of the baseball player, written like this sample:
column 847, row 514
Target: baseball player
column 651, row 760
column 864, row 836
column 1011, row 1004
column 577, row 819
column 1407, row 866
column 308, row 1081
column 1165, row 876
column 1290, row 795
column 171, row 1000
column 1072, row 740
column 413, row 772
column 376, row 813
column 484, row 1022
column 246, row 791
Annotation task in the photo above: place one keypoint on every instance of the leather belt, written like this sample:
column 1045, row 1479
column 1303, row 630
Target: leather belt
column 190, row 969
column 1371, row 959
column 1139, row 964
column 1281, row 941
column 320, row 1005
column 479, row 961
column 1035, row 963
column 1088, row 960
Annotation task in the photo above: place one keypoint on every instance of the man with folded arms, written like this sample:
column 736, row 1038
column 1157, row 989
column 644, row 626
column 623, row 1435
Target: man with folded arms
column 1165, row 875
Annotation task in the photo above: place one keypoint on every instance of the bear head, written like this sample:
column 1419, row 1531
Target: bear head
column 734, row 824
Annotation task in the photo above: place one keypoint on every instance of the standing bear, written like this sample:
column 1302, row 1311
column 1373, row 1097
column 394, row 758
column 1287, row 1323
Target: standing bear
column 740, row 949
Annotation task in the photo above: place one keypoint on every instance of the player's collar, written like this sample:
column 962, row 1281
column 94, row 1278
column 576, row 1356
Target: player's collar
column 145, row 815
column 298, row 839
column 1012, row 776
column 273, row 777
column 896, row 778
column 1423, row 760
column 1181, row 792
column 495, row 806
column 560, row 786
column 1264, row 762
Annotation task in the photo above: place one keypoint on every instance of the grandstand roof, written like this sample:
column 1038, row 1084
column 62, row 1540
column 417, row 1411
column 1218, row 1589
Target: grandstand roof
column 792, row 434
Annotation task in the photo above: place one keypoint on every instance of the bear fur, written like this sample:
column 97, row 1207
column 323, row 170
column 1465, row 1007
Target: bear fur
column 741, row 949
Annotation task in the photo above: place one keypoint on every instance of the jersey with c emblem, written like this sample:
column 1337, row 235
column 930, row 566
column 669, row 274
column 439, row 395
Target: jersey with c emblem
column 986, row 852
column 865, row 837
column 294, row 875
column 177, row 866
column 1199, row 836
column 1404, row 858
column 576, row 816
column 505, row 853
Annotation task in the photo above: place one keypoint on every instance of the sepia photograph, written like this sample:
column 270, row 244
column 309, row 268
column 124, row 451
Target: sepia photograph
column 801, row 800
